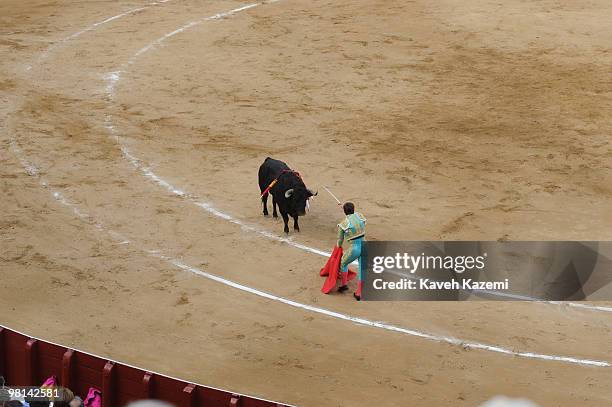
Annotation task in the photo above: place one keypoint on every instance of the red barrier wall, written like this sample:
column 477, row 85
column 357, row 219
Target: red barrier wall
column 26, row 361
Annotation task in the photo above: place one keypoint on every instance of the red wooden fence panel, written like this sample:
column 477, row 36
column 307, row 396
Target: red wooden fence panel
column 26, row 361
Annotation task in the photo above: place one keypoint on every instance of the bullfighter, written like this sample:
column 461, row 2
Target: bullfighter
column 351, row 230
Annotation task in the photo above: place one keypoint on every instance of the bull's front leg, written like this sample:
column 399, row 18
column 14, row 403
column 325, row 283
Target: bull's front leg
column 274, row 214
column 286, row 220
column 295, row 223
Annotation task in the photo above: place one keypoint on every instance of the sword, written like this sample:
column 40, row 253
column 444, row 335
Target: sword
column 333, row 196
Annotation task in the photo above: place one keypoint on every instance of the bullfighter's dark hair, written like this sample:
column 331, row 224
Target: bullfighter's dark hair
column 349, row 208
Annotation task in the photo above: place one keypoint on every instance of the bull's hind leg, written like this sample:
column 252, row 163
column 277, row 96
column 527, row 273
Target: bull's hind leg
column 274, row 214
column 295, row 223
column 264, row 201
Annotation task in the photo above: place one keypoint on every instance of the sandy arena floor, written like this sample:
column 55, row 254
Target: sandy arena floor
column 457, row 120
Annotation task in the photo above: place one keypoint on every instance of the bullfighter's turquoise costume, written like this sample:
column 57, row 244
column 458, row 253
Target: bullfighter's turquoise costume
column 352, row 230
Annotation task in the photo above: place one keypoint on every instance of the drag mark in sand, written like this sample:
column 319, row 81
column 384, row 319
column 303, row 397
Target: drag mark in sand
column 43, row 55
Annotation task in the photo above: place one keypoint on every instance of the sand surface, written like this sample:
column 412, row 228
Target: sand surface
column 441, row 120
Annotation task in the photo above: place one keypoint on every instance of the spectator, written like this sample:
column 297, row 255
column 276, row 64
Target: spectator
column 13, row 403
column 502, row 401
column 149, row 403
column 65, row 398
column 4, row 394
column 76, row 402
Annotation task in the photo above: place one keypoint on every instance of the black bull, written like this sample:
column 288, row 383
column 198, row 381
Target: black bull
column 288, row 191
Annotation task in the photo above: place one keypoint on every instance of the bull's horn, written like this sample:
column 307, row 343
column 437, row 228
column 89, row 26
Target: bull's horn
column 288, row 193
column 313, row 194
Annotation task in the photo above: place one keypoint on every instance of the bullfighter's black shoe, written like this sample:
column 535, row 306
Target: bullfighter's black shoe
column 357, row 294
column 342, row 288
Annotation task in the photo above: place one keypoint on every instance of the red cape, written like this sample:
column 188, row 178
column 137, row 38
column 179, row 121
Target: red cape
column 332, row 270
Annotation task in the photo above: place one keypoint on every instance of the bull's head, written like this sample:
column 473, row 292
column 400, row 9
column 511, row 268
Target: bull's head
column 298, row 199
